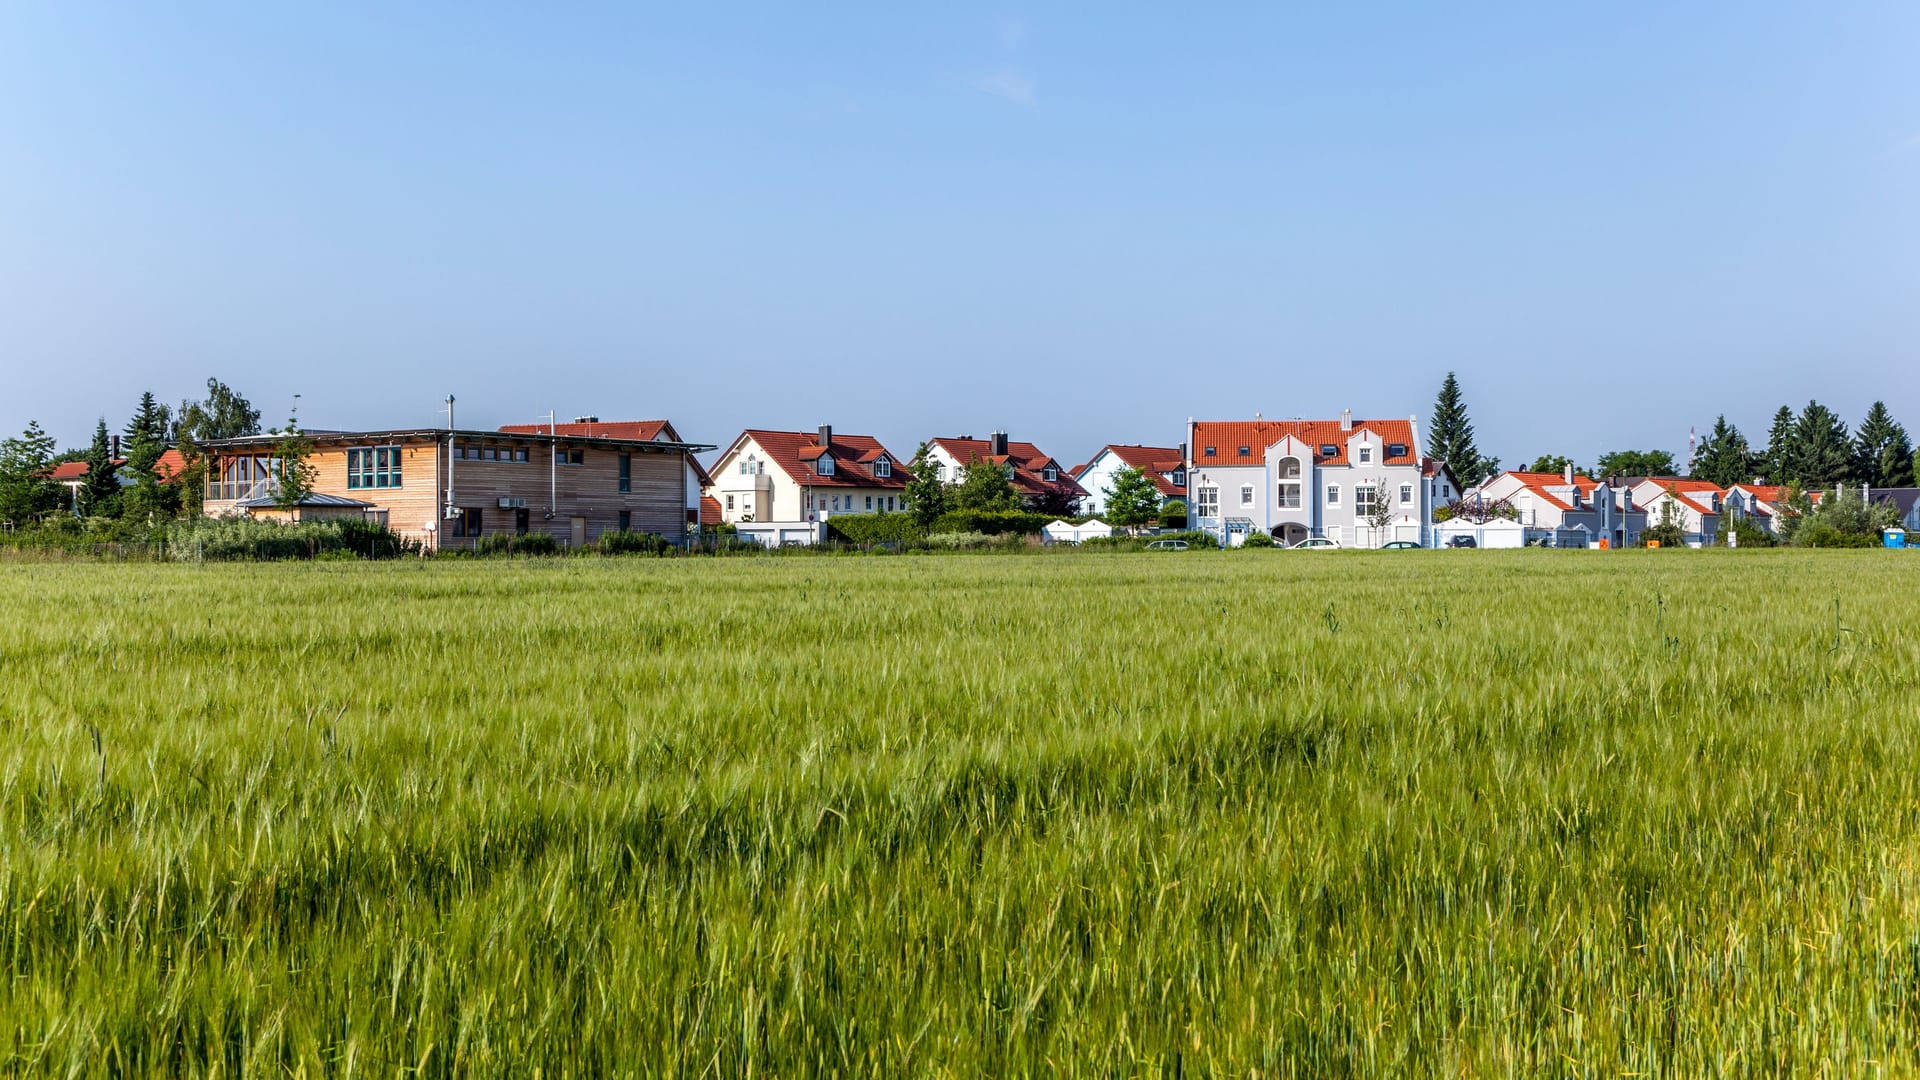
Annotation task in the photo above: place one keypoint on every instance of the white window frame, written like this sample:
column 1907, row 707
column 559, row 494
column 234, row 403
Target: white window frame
column 1406, row 494
column 1207, row 500
column 1366, row 454
column 1333, row 494
column 883, row 467
column 824, row 466
column 1365, row 496
column 1287, row 497
column 1246, row 496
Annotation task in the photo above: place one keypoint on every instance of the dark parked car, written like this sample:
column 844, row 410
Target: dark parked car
column 1461, row 541
column 1401, row 545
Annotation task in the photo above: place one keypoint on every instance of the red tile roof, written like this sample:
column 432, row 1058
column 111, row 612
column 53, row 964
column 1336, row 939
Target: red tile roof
column 797, row 454
column 1154, row 461
column 636, row 430
column 709, row 510
column 69, row 470
column 1228, row 436
column 1027, row 461
column 168, row 468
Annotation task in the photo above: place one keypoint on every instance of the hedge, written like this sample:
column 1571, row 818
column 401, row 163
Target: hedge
column 992, row 522
column 873, row 528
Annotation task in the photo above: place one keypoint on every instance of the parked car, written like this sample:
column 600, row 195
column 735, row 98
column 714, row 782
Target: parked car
column 1461, row 542
column 1167, row 545
column 1316, row 543
column 1399, row 545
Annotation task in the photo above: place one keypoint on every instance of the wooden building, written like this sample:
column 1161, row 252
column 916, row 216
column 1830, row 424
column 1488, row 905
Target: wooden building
column 448, row 489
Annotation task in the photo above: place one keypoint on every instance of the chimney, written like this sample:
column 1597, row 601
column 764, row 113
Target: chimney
column 1569, row 474
column 999, row 445
column 826, row 436
column 116, row 447
column 1346, row 420
column 1183, row 453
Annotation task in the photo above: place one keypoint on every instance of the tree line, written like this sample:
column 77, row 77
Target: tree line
column 1809, row 450
column 28, row 492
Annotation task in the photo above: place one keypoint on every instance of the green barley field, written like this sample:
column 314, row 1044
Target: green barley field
column 1250, row 814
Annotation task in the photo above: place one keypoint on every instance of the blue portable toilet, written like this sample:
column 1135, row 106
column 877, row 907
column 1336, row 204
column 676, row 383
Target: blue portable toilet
column 1895, row 538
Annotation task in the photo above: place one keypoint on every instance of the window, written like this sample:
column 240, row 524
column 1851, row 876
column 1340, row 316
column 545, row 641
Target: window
column 374, row 467
column 940, row 470
column 825, row 465
column 1366, row 455
column 1327, row 449
column 520, row 455
column 1246, row 495
column 1179, row 478
column 823, row 504
column 1290, row 468
column 883, row 467
column 467, row 524
column 1209, row 452
column 1288, row 496
column 626, row 475
column 626, row 521
column 869, row 502
column 1050, row 474
column 1246, row 451
column 746, row 467
column 729, row 503
column 1209, row 501
column 1406, row 494
column 1364, row 497
column 1333, row 494
column 569, row 457
column 1396, row 449
column 520, row 520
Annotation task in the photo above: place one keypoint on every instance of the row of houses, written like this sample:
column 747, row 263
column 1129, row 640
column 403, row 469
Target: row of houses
column 1356, row 482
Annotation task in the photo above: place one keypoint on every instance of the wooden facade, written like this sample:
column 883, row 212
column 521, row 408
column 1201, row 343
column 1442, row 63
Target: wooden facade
column 573, row 488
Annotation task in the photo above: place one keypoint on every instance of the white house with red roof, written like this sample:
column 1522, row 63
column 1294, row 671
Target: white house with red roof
column 1764, row 503
column 769, row 478
column 631, row 430
column 1041, row 480
column 1696, row 504
column 1166, row 466
column 1296, row 479
column 1565, row 509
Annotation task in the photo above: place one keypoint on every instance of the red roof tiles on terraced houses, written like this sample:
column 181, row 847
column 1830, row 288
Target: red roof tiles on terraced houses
column 1027, row 460
column 168, row 467
column 1226, row 437
column 798, row 453
column 1151, row 460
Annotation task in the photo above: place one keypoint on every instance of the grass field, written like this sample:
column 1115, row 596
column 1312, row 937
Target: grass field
column 1480, row 813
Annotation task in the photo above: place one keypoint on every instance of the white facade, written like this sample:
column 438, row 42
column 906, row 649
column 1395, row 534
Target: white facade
column 1293, row 489
column 1096, row 477
column 1066, row 532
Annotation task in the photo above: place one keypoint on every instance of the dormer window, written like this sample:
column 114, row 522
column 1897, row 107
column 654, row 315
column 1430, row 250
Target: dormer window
column 883, row 467
column 1396, row 449
column 1246, row 451
column 1050, row 474
column 1329, row 450
column 1179, row 478
column 825, row 465
column 1366, row 455
column 1209, row 452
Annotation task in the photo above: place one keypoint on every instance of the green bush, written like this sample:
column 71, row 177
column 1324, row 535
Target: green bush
column 873, row 528
column 632, row 543
column 233, row 538
column 1822, row 534
column 510, row 544
column 991, row 522
column 1259, row 540
column 1173, row 515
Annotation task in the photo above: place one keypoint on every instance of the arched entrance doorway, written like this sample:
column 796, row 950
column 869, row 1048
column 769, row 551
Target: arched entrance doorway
column 1290, row 534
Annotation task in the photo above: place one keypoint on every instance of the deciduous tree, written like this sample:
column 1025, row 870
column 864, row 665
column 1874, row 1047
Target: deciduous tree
column 26, row 491
column 926, row 492
column 1637, row 463
column 1132, row 499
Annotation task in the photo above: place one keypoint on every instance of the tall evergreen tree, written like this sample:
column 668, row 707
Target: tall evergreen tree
column 1450, row 435
column 1724, row 458
column 100, row 492
column 146, row 441
column 1882, row 453
column 26, row 491
column 1822, row 453
column 1777, row 463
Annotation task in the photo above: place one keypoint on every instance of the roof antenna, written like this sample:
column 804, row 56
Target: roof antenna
column 449, row 412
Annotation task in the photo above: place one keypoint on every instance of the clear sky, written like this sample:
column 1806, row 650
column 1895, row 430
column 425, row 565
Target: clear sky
column 1081, row 224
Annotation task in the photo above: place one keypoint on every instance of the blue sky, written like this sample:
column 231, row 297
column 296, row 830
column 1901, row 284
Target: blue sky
column 1081, row 224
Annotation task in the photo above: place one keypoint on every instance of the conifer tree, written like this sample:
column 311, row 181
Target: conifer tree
column 100, row 492
column 1822, row 455
column 1723, row 458
column 1778, row 462
column 26, row 491
column 1882, row 453
column 1450, row 435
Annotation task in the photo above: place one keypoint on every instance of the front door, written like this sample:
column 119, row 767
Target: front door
column 579, row 532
